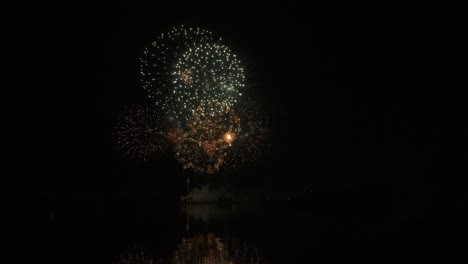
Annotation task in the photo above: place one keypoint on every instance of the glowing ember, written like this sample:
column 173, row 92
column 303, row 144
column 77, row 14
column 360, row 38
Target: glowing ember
column 229, row 137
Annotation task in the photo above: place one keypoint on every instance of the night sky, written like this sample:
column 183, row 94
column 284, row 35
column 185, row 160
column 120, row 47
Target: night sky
column 368, row 131
column 344, row 94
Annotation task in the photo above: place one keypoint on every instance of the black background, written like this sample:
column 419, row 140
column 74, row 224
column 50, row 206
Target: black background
column 342, row 92
column 358, row 100
column 353, row 96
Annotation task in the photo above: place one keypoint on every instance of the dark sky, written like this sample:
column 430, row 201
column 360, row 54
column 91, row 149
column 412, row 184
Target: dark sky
column 343, row 91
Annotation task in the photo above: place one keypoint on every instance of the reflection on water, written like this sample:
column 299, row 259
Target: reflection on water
column 326, row 230
column 200, row 245
column 137, row 257
column 120, row 233
column 208, row 248
column 205, row 248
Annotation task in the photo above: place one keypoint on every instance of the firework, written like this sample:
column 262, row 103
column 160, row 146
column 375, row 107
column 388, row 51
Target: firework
column 195, row 84
column 187, row 66
column 206, row 72
column 158, row 60
column 141, row 131
column 211, row 131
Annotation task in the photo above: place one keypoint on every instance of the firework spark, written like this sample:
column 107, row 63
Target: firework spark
column 206, row 72
column 203, row 147
column 158, row 60
column 141, row 131
column 187, row 66
column 196, row 85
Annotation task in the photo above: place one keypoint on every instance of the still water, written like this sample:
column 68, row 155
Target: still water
column 204, row 240
column 211, row 233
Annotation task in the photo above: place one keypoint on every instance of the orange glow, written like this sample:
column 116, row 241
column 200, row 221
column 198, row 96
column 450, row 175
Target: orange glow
column 229, row 137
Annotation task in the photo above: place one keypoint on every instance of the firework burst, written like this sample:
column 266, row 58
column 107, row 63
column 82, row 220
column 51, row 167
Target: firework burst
column 206, row 72
column 158, row 60
column 211, row 130
column 188, row 66
column 141, row 131
column 195, row 84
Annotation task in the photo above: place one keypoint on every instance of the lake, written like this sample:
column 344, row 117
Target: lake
column 138, row 231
